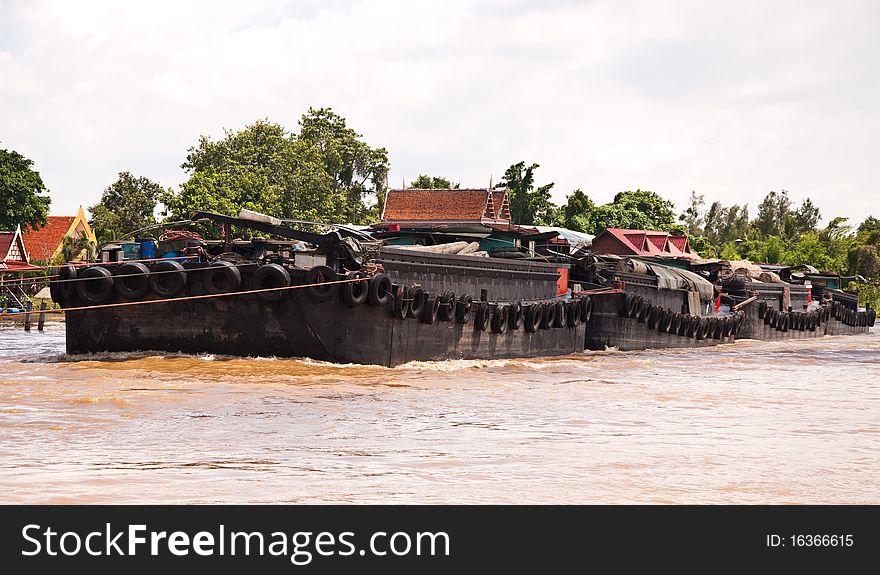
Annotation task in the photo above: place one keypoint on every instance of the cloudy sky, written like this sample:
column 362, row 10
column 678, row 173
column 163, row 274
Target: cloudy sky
column 731, row 99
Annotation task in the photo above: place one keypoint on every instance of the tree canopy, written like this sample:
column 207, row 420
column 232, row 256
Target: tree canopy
column 528, row 205
column 21, row 188
column 639, row 209
column 126, row 205
column 324, row 173
column 425, row 182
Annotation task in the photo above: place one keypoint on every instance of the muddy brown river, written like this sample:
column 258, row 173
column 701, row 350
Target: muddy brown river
column 751, row 422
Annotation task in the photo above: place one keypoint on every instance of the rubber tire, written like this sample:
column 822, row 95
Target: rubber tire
column 355, row 293
column 221, row 269
column 63, row 291
column 653, row 316
column 675, row 324
column 573, row 313
column 418, row 298
column 634, row 306
column 703, row 328
column 515, row 315
column 693, row 326
column 463, row 309
column 94, row 291
column 168, row 284
column 379, row 292
column 683, row 328
column 432, row 308
column 277, row 277
column 644, row 310
column 481, row 321
column 447, row 306
column 132, row 281
column 549, row 315
column 586, row 309
column 534, row 316
column 665, row 321
column 400, row 309
column 561, row 316
column 499, row 319
column 726, row 326
column 623, row 304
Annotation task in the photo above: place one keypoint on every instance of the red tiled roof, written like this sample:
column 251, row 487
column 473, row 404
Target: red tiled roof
column 679, row 242
column 15, row 265
column 462, row 205
column 658, row 240
column 642, row 243
column 12, row 246
column 5, row 242
column 41, row 244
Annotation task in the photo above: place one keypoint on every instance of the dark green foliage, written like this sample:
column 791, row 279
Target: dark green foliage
column 128, row 204
column 21, row 189
column 529, row 205
column 425, row 182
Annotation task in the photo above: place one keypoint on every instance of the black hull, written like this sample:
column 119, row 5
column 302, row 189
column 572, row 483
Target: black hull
column 608, row 329
column 298, row 327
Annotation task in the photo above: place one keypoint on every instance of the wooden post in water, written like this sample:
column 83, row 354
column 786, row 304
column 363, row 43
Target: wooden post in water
column 42, row 317
column 29, row 307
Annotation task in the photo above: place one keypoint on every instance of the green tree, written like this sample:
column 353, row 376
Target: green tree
column 639, row 209
column 21, row 188
column 693, row 215
column 425, row 182
column 358, row 171
column 772, row 214
column 805, row 218
column 126, row 205
column 323, row 174
column 769, row 251
column 577, row 213
column 529, row 205
column 864, row 251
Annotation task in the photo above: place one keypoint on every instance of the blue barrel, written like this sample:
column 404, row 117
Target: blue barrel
column 176, row 256
column 148, row 248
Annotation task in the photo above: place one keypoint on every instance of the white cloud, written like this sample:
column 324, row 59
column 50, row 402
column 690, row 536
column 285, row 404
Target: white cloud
column 729, row 100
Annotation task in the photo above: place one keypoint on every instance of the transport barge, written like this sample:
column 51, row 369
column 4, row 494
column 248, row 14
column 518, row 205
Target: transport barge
column 413, row 288
column 337, row 298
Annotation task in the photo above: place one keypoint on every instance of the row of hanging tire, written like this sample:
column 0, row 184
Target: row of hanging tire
column 168, row 278
column 810, row 320
column 685, row 325
column 414, row 302
column 852, row 317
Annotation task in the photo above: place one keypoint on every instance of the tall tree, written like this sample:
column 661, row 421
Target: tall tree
column 577, row 213
column 425, row 182
column 21, row 188
column 126, row 205
column 773, row 212
column 528, row 205
column 693, row 214
column 806, row 217
column 357, row 170
column 326, row 173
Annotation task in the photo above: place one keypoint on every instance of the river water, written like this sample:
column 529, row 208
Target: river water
column 751, row 422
